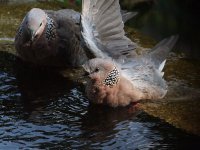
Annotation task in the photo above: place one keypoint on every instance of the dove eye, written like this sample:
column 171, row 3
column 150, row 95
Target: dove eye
column 40, row 24
column 96, row 70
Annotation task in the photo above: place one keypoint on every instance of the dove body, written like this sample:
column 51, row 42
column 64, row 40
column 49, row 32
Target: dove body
column 117, row 76
column 123, row 91
column 50, row 38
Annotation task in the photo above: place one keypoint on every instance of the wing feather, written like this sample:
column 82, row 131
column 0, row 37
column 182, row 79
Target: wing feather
column 103, row 29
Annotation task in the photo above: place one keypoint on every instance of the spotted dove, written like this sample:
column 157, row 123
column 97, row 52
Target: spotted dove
column 53, row 38
column 115, row 76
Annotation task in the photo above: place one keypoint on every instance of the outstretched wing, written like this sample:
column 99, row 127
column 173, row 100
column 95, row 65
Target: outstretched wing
column 127, row 15
column 103, row 29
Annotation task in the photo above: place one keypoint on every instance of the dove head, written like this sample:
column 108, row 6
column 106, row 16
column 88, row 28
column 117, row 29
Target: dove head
column 102, row 71
column 35, row 23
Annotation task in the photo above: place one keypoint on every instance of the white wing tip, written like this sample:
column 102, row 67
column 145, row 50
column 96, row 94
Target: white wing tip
column 162, row 65
column 162, row 74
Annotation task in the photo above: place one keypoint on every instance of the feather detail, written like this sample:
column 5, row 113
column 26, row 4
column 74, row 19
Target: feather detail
column 103, row 28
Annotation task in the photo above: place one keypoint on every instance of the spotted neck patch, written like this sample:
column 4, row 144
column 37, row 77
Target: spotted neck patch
column 50, row 29
column 20, row 32
column 112, row 78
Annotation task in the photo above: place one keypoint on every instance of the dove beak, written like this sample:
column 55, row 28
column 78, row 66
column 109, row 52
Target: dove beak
column 32, row 34
column 32, row 38
column 85, row 72
column 83, row 76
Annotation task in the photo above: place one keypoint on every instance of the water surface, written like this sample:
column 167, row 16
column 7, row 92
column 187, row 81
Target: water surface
column 48, row 111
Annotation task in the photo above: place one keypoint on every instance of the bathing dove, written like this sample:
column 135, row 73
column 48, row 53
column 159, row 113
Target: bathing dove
column 115, row 76
column 53, row 38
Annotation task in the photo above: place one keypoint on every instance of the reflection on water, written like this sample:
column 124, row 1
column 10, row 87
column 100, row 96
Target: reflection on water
column 40, row 109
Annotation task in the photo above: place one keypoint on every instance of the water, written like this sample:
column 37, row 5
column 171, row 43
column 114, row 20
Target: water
column 45, row 113
column 39, row 109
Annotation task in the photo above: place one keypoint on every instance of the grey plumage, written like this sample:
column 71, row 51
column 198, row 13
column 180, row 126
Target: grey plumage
column 161, row 50
column 127, row 15
column 57, row 44
column 103, row 32
column 139, row 77
column 52, row 38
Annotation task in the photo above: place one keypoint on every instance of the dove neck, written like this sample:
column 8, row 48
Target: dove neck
column 112, row 78
column 120, row 94
column 126, row 90
column 50, row 29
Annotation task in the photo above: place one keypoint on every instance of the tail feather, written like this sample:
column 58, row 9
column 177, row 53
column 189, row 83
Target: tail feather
column 161, row 66
column 161, row 50
column 127, row 15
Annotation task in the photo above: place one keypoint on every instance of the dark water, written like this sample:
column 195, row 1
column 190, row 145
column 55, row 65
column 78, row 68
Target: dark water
column 39, row 109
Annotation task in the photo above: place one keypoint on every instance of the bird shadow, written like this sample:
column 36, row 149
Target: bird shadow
column 100, row 118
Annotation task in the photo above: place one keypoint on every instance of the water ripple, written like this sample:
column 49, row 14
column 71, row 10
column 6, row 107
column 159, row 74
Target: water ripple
column 44, row 113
